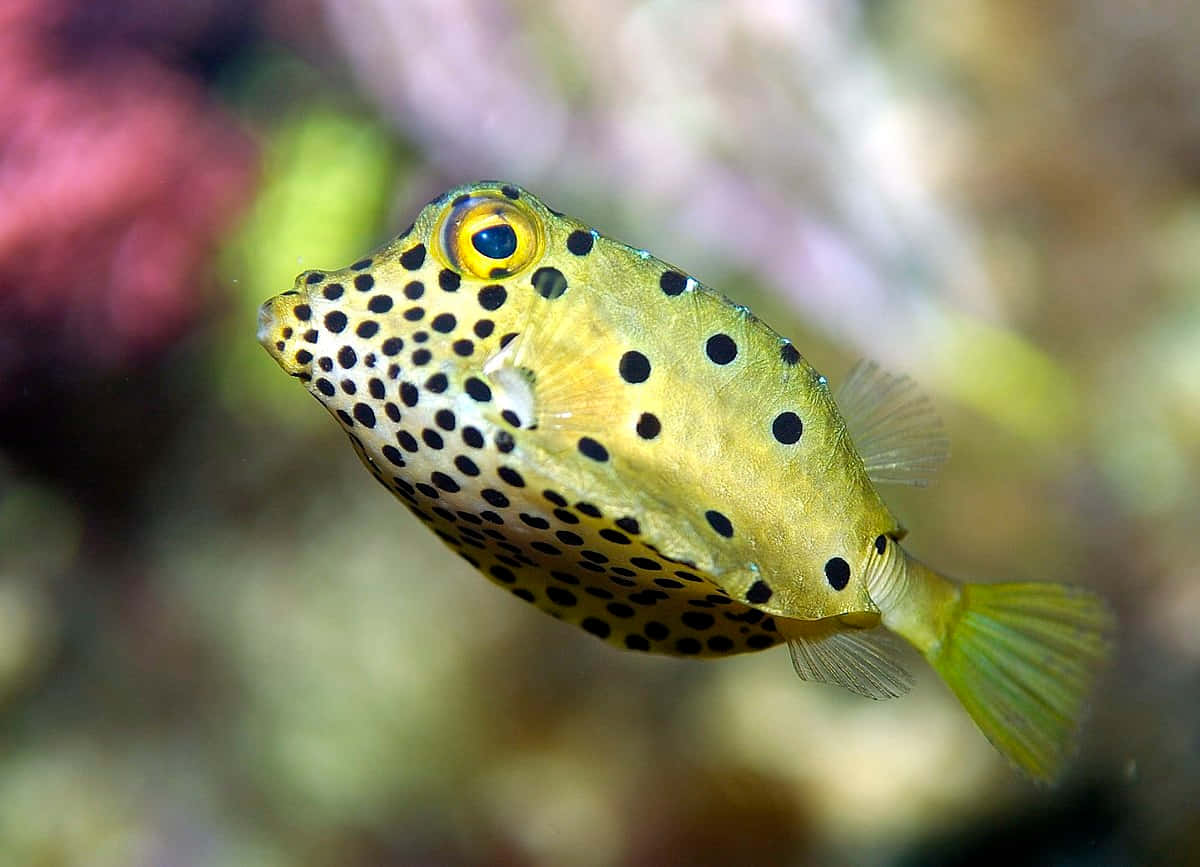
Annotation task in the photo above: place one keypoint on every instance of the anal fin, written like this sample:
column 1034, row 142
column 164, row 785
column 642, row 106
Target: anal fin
column 865, row 661
column 893, row 425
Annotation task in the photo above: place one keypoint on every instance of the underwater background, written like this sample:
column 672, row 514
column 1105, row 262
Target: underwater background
column 222, row 643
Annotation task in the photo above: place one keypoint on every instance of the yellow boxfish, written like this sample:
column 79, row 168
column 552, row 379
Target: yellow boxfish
column 625, row 448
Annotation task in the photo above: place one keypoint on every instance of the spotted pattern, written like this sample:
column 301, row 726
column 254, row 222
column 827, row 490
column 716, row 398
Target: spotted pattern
column 400, row 362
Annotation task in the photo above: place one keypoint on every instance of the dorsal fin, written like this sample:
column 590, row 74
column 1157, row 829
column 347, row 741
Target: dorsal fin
column 894, row 426
column 864, row 661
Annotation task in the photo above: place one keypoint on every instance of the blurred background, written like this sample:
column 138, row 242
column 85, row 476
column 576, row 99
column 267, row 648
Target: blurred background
column 222, row 643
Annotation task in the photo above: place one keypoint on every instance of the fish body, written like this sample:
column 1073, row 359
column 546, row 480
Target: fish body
column 623, row 447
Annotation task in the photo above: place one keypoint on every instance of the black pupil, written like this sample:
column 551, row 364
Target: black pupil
column 495, row 242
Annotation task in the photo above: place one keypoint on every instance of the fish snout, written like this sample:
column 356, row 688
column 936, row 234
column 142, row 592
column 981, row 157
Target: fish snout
column 281, row 329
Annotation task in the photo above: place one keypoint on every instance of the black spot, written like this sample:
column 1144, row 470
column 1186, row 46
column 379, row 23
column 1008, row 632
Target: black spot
column 449, row 280
column 596, row 626
column 463, row 347
column 560, row 596
column 564, row 577
column 364, row 282
column 303, row 356
column 592, row 449
column 444, row 323
column 333, row 291
column 335, row 321
column 719, row 523
column 538, row 523
column 472, row 437
column 507, row 339
column 634, row 367
column 721, row 349
column 427, row 490
column 837, row 572
column 364, row 415
column 657, row 631
column 720, row 644
column 759, row 593
column 421, row 357
column 646, row 563
column 636, row 642
column 545, row 548
column 314, row 277
column 629, row 525
column 393, row 411
column 414, row 314
column 619, row 609
column 697, row 619
column 588, row 509
column 310, row 336
column 565, row 516
column 787, row 428
column 648, row 426
column 347, row 357
column 668, row 583
column 495, row 498
column 367, row 329
column 760, row 641
column 484, row 328
column 615, row 537
column 688, row 646
column 392, row 346
column 432, row 438
column 361, row 265
column 510, row 191
column 302, row 312
column 594, row 556
column 789, row 354
column 444, row 482
column 580, row 242
column 348, row 386
column 672, row 282
column 478, row 390
column 380, row 304
column 414, row 290
column 437, row 383
column 345, row 417
column 880, row 544
column 500, row 573
column 420, row 336
column 407, row 441
column 466, row 466
column 569, row 538
column 505, row 441
column 555, row 497
column 444, row 419
column 492, row 297
column 549, row 282
column 511, row 476
column 409, row 394
column 393, row 455
column 326, row 387
column 413, row 258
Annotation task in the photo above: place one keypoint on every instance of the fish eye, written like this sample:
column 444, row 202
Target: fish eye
column 489, row 235
column 495, row 242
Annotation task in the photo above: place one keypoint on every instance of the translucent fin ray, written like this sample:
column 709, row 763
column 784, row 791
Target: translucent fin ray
column 864, row 661
column 893, row 425
column 1022, row 658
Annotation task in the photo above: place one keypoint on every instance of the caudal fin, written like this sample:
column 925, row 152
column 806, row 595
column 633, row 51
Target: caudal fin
column 1023, row 659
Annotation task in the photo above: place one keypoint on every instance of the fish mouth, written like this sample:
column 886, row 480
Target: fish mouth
column 280, row 334
column 266, row 325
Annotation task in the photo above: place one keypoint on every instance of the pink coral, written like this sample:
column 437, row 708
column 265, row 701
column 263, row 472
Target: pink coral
column 116, row 176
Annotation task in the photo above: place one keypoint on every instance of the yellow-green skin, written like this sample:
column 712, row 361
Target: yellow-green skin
column 793, row 506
